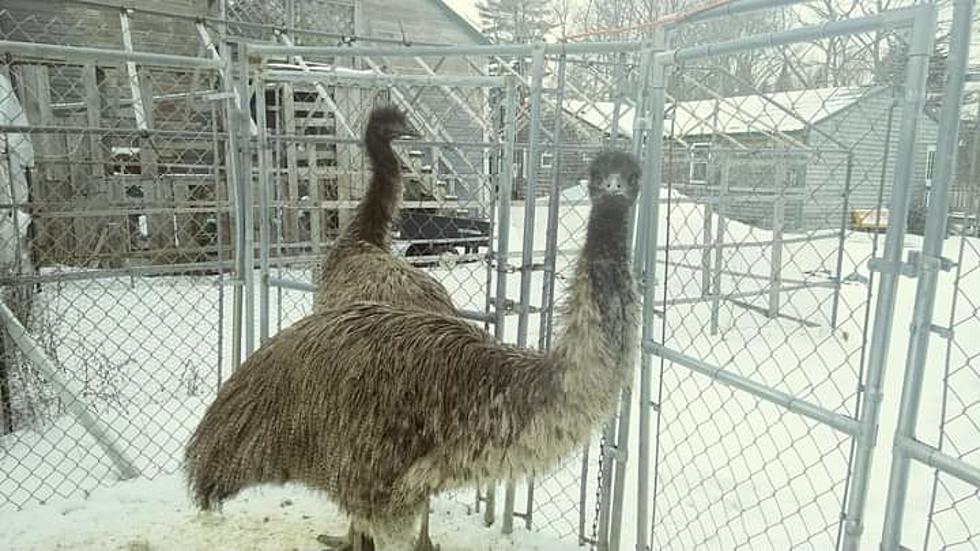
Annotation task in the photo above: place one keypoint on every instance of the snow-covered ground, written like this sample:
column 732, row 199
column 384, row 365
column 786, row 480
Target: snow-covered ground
column 733, row 471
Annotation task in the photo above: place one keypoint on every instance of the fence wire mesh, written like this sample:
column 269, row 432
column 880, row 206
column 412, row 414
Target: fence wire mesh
column 774, row 202
column 954, row 503
column 118, row 217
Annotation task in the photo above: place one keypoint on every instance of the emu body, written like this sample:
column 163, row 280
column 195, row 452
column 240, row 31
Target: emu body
column 360, row 265
column 380, row 405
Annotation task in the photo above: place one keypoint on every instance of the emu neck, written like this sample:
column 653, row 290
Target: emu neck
column 372, row 223
column 599, row 317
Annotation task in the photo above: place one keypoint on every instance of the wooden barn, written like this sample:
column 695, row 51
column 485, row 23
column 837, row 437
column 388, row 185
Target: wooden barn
column 136, row 173
column 808, row 158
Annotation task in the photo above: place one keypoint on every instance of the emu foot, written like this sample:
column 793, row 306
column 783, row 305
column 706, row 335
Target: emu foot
column 354, row 542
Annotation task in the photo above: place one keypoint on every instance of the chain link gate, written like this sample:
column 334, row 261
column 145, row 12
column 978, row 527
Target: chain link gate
column 758, row 299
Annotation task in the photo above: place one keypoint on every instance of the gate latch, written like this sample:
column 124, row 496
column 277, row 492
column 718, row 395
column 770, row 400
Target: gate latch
column 913, row 263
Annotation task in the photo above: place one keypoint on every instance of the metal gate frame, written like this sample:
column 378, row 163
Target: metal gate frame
column 929, row 263
column 863, row 429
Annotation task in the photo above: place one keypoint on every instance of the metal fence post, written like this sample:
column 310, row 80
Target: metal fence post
column 233, row 175
column 928, row 271
column 527, row 253
column 248, row 202
column 647, row 230
column 551, row 248
column 504, row 191
column 839, row 264
column 921, row 43
column 776, row 257
column 264, row 183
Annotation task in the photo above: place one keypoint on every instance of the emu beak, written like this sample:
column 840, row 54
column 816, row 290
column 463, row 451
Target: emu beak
column 613, row 184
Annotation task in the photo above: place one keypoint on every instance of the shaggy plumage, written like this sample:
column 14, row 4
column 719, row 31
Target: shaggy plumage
column 381, row 406
column 360, row 265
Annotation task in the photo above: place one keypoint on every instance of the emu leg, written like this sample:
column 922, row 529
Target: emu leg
column 355, row 541
column 424, row 543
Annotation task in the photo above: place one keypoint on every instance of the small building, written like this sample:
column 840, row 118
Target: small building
column 807, row 158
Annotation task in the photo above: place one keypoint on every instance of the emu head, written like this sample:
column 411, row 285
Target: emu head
column 614, row 178
column 388, row 123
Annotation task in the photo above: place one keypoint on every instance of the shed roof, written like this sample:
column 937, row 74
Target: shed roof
column 775, row 112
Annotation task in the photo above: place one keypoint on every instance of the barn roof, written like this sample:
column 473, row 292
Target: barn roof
column 458, row 12
column 767, row 113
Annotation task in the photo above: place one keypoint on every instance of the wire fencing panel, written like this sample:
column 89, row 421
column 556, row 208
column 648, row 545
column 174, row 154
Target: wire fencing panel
column 115, row 244
column 774, row 201
column 955, row 504
column 320, row 172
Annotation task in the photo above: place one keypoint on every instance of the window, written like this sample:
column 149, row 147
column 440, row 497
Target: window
column 547, row 160
column 930, row 165
column 699, row 154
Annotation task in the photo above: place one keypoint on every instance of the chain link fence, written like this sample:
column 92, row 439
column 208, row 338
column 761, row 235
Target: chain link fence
column 116, row 246
column 168, row 198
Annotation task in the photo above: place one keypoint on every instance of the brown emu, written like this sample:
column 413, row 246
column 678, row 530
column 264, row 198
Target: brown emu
column 381, row 406
column 360, row 266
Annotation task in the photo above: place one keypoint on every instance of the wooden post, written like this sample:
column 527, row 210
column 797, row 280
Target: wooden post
column 54, row 237
column 93, row 116
column 290, row 211
column 350, row 176
column 313, row 177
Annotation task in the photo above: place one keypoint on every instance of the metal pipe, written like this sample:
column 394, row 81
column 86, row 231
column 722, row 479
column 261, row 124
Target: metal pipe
column 936, row 459
column 643, row 272
column 734, row 8
column 532, row 162
column 839, row 265
column 381, row 79
column 232, row 159
column 505, row 190
column 928, row 271
column 550, row 249
column 248, row 201
column 282, row 283
column 921, row 44
column 835, row 420
column 79, row 54
column 264, row 213
column 270, row 50
column 647, row 238
column 891, row 18
column 68, row 393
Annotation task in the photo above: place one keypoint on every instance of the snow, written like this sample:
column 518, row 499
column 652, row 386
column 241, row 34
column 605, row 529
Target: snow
column 733, row 470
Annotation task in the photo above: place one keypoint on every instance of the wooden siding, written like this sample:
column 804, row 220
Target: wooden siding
column 864, row 130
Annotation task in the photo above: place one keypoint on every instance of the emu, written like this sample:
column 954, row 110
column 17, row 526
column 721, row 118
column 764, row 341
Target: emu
column 381, row 406
column 360, row 265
